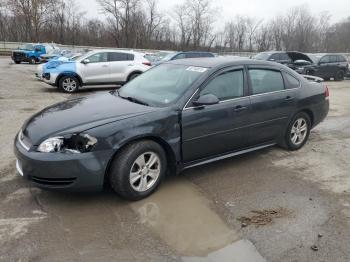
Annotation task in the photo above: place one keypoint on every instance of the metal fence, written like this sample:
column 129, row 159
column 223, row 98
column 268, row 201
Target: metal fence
column 6, row 47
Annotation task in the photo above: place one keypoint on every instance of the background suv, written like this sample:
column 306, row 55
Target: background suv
column 292, row 59
column 184, row 55
column 99, row 67
column 327, row 66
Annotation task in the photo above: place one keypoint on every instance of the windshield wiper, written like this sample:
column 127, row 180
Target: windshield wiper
column 133, row 99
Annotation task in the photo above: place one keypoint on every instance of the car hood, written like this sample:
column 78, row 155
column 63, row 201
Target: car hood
column 80, row 114
column 299, row 56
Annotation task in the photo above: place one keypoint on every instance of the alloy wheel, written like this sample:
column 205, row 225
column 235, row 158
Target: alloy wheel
column 69, row 84
column 299, row 131
column 145, row 171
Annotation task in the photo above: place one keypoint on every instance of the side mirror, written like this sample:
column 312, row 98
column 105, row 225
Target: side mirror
column 205, row 100
column 86, row 61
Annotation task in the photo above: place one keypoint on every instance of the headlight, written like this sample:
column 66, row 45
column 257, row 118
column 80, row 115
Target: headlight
column 77, row 143
column 53, row 64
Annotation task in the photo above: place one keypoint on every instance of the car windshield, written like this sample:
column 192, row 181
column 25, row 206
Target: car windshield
column 27, row 47
column 73, row 57
column 315, row 58
column 162, row 85
column 262, row 56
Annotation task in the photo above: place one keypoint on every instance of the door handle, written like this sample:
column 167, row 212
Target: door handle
column 289, row 98
column 240, row 108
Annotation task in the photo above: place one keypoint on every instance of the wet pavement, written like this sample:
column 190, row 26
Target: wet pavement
column 271, row 205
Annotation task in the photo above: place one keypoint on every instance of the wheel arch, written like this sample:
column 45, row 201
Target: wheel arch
column 133, row 72
column 169, row 152
column 68, row 74
column 309, row 113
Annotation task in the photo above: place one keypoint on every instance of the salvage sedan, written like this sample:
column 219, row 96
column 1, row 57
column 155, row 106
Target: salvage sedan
column 178, row 115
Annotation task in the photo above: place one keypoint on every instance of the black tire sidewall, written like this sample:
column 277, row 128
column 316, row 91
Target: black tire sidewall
column 60, row 84
column 133, row 76
column 119, row 172
column 340, row 75
column 289, row 143
column 32, row 61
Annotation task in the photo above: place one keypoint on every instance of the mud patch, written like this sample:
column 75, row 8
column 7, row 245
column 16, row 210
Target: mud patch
column 28, row 109
column 263, row 217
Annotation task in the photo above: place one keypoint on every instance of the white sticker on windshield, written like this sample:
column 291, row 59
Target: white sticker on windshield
column 197, row 69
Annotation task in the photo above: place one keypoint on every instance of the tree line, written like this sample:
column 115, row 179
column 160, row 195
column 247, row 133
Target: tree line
column 189, row 25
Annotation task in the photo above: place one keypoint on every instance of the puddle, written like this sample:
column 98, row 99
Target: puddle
column 181, row 216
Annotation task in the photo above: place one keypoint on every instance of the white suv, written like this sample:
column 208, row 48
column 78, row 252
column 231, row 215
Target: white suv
column 99, row 67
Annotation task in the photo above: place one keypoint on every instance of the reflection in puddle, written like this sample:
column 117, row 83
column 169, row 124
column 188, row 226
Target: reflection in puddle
column 183, row 219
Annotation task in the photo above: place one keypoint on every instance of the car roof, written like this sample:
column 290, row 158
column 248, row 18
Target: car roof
column 212, row 62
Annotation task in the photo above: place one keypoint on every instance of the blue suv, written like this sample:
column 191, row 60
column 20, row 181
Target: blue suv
column 30, row 53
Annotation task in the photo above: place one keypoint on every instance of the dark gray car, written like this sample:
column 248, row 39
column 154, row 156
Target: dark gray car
column 175, row 116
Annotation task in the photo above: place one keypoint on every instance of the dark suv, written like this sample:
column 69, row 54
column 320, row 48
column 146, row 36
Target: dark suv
column 292, row 59
column 327, row 66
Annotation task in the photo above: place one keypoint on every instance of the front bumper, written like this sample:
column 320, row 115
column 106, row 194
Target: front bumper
column 49, row 78
column 63, row 171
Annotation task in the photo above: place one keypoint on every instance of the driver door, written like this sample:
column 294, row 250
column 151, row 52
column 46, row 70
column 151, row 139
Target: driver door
column 97, row 70
column 217, row 129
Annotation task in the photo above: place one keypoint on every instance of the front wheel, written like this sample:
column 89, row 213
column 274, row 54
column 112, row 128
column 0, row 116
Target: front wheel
column 32, row 60
column 138, row 169
column 298, row 131
column 68, row 84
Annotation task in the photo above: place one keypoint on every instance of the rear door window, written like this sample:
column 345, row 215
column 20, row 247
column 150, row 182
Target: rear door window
column 341, row 58
column 113, row 57
column 333, row 59
column 227, row 85
column 284, row 57
column 275, row 57
column 265, row 81
column 290, row 81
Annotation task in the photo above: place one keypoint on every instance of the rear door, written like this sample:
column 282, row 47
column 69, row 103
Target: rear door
column 119, row 65
column 272, row 104
column 212, row 130
column 96, row 71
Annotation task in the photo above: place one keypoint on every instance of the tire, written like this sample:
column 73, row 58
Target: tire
column 133, row 76
column 326, row 79
column 127, row 165
column 68, row 84
column 17, row 62
column 32, row 61
column 340, row 75
column 298, row 131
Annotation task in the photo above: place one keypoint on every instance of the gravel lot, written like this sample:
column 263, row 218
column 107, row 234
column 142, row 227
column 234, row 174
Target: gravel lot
column 270, row 205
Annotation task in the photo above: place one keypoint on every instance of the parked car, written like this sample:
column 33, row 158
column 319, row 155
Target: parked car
column 327, row 66
column 184, row 55
column 53, row 54
column 99, row 67
column 31, row 52
column 53, row 62
column 175, row 116
column 291, row 59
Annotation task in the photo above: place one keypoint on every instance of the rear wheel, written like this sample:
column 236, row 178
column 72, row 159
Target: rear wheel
column 298, row 131
column 339, row 76
column 68, row 84
column 138, row 169
column 133, row 76
column 17, row 62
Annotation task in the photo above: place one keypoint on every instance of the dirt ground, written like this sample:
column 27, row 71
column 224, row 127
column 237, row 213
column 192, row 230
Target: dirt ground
column 270, row 205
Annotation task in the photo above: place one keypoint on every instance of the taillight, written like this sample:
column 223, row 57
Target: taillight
column 326, row 92
column 147, row 63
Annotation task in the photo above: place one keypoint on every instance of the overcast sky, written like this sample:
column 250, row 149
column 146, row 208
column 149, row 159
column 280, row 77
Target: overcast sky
column 262, row 9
